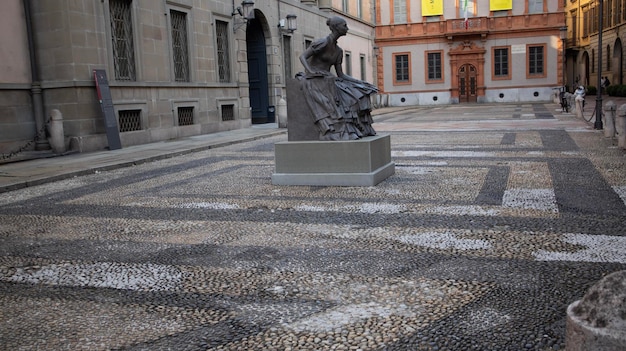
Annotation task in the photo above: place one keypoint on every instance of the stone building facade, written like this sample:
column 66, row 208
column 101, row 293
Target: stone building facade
column 175, row 68
column 585, row 63
column 440, row 52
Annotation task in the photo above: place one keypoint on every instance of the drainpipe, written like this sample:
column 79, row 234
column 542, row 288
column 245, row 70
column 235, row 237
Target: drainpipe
column 41, row 143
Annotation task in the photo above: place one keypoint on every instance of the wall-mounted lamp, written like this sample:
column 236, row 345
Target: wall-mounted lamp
column 376, row 51
column 246, row 10
column 290, row 24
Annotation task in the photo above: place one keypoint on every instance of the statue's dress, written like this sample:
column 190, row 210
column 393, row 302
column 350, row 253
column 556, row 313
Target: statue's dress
column 341, row 107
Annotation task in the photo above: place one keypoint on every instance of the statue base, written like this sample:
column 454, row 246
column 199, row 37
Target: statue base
column 363, row 162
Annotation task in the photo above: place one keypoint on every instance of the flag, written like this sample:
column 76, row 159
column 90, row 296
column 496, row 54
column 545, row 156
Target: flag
column 466, row 15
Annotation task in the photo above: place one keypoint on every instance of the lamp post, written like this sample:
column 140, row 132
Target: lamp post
column 563, row 34
column 598, row 123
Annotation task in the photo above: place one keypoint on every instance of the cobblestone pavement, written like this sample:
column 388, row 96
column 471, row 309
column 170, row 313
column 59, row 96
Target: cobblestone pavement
column 496, row 219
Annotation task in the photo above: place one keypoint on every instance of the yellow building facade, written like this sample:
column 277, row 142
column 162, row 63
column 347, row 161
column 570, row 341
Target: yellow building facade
column 587, row 61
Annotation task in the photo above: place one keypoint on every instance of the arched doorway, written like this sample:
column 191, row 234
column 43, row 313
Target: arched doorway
column 585, row 78
column 467, row 83
column 617, row 63
column 257, row 70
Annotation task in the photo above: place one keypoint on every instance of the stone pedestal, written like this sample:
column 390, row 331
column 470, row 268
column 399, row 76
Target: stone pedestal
column 363, row 162
column 596, row 322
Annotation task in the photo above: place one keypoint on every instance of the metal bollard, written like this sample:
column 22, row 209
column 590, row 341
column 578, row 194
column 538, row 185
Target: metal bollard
column 620, row 126
column 609, row 119
column 55, row 128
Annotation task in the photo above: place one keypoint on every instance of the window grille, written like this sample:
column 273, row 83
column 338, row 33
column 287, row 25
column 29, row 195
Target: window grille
column 228, row 112
column 122, row 37
column 185, row 116
column 180, row 45
column 129, row 120
column 223, row 55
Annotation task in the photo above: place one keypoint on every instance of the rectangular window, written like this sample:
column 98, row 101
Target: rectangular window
column 228, row 112
column 348, row 60
column 402, row 69
column 535, row 6
column 122, row 37
column 287, row 55
column 223, row 51
column 501, row 63
column 467, row 8
column 363, row 67
column 536, row 61
column 399, row 11
column 434, row 66
column 180, row 46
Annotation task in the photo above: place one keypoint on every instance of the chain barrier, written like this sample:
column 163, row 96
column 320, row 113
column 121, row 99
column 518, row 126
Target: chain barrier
column 25, row 147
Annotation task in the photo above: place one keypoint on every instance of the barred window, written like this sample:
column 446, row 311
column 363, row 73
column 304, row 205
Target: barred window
column 122, row 38
column 180, row 45
column 223, row 51
column 501, row 62
column 434, row 66
column 535, row 60
column 129, row 120
column 228, row 112
column 185, row 116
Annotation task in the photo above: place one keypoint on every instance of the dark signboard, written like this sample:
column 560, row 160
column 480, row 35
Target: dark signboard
column 106, row 103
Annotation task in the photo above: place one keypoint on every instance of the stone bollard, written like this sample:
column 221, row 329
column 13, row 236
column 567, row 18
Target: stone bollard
column 620, row 126
column 282, row 113
column 597, row 321
column 55, row 128
column 579, row 107
column 609, row 119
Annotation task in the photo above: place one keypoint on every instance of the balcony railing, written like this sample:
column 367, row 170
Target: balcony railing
column 474, row 26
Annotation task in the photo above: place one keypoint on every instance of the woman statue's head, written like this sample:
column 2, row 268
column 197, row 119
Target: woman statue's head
column 337, row 25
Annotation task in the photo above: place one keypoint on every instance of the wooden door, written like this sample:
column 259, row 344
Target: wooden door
column 467, row 83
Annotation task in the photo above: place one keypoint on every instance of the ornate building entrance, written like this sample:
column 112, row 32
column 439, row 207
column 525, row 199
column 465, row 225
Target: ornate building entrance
column 467, row 61
column 467, row 83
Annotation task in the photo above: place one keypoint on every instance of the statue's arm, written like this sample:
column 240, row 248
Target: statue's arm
column 304, row 59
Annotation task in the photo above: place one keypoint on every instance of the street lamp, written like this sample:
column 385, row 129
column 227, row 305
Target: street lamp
column 563, row 34
column 598, row 123
column 246, row 11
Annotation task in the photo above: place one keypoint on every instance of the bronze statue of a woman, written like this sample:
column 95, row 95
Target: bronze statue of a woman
column 340, row 104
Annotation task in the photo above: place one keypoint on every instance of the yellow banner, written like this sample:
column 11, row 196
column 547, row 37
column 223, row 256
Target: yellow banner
column 498, row 5
column 432, row 7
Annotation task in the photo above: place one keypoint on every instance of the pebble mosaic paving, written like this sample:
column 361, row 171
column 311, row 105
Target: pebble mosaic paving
column 479, row 241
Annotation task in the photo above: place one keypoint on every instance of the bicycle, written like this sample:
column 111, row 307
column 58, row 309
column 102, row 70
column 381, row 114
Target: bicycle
column 565, row 106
